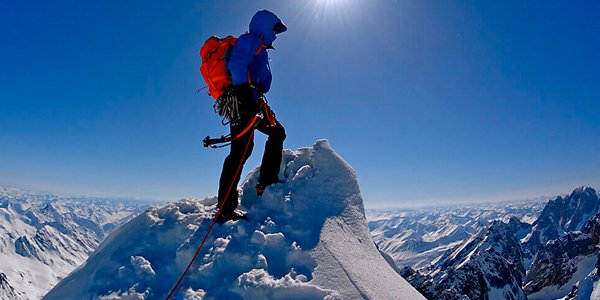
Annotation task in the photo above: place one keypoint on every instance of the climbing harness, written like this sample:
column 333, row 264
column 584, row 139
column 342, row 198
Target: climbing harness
column 264, row 113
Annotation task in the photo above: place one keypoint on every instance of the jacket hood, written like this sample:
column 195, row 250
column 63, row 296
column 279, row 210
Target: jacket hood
column 262, row 23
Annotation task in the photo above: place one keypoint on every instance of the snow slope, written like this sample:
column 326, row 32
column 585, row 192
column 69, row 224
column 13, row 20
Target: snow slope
column 306, row 238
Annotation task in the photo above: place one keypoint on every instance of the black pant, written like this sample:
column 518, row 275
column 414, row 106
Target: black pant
column 269, row 169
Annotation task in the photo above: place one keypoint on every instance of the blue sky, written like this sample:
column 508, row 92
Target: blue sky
column 429, row 101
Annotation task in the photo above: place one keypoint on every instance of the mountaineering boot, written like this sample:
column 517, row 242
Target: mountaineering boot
column 231, row 216
column 260, row 187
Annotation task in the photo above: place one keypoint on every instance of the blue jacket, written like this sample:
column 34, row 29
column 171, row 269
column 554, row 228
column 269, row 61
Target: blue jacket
column 249, row 60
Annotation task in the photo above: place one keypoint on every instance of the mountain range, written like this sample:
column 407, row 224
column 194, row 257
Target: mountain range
column 521, row 250
column 44, row 237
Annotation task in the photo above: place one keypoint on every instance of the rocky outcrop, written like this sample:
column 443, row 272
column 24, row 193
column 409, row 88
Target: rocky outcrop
column 562, row 265
column 560, row 216
column 6, row 290
column 557, row 261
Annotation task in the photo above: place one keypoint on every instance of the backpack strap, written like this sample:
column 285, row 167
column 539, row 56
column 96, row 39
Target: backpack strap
column 261, row 47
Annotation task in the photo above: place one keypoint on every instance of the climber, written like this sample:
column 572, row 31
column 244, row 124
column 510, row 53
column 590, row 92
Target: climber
column 251, row 78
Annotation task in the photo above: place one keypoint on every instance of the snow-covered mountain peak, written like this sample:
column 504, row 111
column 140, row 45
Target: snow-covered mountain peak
column 306, row 238
column 584, row 189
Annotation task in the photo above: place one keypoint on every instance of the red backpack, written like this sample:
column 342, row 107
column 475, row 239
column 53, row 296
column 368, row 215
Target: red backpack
column 215, row 54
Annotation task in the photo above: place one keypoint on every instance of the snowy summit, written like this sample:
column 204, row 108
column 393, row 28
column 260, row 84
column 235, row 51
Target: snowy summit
column 306, row 238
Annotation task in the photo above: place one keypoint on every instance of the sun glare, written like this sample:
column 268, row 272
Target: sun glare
column 332, row 10
column 332, row 4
